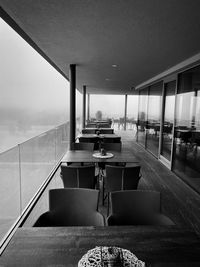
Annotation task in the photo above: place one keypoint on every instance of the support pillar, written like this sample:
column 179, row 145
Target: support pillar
column 88, row 108
column 72, row 80
column 84, row 106
column 125, row 112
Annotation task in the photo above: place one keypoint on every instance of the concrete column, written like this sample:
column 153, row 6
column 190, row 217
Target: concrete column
column 125, row 112
column 84, row 106
column 88, row 108
column 72, row 80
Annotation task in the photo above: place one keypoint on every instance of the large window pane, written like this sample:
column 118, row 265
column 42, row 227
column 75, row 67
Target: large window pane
column 187, row 128
column 142, row 117
column 154, row 116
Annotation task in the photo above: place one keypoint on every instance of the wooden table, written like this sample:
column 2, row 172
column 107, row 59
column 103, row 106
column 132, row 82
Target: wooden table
column 64, row 246
column 101, row 130
column 87, row 156
column 100, row 136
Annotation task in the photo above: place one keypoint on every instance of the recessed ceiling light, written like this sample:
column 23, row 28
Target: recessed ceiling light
column 107, row 79
column 114, row 65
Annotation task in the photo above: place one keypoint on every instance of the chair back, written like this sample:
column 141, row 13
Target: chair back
column 83, row 146
column 121, row 178
column 72, row 207
column 106, row 131
column 112, row 139
column 78, row 176
column 112, row 146
column 94, row 140
column 73, row 199
column 136, row 207
column 104, row 125
column 89, row 131
column 134, row 202
column 91, row 125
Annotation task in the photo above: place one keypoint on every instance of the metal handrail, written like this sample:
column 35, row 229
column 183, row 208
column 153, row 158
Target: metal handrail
column 20, row 220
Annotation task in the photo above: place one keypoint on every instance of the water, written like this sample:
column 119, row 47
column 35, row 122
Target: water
column 10, row 137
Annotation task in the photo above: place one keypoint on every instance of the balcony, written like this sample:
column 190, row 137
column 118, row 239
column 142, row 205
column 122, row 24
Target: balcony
column 122, row 52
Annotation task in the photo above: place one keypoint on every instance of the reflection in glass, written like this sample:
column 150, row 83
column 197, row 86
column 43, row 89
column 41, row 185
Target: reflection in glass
column 142, row 116
column 168, row 119
column 153, row 121
column 187, row 128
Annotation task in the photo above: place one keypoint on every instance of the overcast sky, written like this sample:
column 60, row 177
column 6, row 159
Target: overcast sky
column 27, row 80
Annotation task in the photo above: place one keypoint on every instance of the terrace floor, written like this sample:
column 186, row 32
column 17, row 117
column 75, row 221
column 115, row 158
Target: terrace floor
column 179, row 202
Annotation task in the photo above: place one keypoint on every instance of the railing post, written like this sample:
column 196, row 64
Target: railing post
column 72, row 79
column 84, row 106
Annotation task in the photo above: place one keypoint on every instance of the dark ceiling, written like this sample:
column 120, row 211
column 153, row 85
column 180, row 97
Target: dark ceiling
column 142, row 37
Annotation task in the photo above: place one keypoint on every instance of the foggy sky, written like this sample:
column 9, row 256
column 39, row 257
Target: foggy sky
column 29, row 82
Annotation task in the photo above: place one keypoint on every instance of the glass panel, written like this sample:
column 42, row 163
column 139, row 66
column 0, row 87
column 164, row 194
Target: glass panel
column 187, row 128
column 34, row 99
column 37, row 160
column 142, row 116
column 9, row 189
column 153, row 122
column 62, row 140
column 108, row 107
column 132, row 112
column 168, row 119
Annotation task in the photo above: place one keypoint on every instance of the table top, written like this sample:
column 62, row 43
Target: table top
column 187, row 131
column 158, row 246
column 87, row 156
column 99, row 136
column 95, row 128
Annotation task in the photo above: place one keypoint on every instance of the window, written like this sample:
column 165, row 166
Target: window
column 187, row 128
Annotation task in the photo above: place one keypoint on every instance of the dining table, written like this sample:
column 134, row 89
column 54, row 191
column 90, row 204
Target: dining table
column 156, row 246
column 99, row 138
column 101, row 130
column 124, row 156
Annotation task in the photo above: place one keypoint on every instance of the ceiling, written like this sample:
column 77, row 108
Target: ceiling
column 142, row 37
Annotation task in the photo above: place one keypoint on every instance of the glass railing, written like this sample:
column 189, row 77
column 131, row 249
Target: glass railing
column 23, row 169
